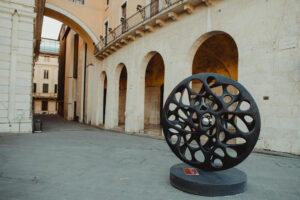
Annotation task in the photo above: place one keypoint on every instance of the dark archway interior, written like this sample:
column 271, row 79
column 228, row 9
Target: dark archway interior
column 104, row 97
column 122, row 96
column 154, row 86
column 217, row 54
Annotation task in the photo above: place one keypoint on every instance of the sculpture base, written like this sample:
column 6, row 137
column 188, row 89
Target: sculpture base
column 216, row 183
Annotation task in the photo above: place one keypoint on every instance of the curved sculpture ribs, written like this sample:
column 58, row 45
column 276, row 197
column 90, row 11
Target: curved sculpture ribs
column 211, row 121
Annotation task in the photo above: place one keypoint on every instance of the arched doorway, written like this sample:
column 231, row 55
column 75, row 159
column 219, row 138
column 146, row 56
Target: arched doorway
column 217, row 53
column 103, row 83
column 122, row 96
column 154, row 89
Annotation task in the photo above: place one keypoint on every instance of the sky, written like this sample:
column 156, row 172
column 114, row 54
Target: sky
column 51, row 28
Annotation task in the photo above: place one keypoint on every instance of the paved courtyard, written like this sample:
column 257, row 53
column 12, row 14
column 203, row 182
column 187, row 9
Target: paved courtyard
column 78, row 162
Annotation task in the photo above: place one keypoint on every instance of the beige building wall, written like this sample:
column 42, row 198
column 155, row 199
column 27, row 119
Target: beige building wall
column 268, row 64
column 52, row 108
column 74, row 87
column 49, row 63
column 16, row 62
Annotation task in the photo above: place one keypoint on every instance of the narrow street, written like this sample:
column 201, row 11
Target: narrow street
column 79, row 162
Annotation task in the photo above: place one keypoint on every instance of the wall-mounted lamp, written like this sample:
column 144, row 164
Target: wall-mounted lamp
column 139, row 7
column 101, row 38
column 122, row 19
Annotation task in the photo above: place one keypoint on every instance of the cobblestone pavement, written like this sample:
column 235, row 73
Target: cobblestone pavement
column 79, row 162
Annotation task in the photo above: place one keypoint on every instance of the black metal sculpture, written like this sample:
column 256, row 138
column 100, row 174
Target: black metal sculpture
column 211, row 122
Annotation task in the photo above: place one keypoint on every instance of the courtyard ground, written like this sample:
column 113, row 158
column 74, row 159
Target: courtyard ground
column 78, row 162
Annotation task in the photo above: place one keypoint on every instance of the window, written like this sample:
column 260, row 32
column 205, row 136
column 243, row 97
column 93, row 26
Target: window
column 77, row 1
column 46, row 74
column 105, row 32
column 75, row 66
column 34, row 87
column 154, row 7
column 55, row 88
column 123, row 20
column 45, row 88
column 44, row 105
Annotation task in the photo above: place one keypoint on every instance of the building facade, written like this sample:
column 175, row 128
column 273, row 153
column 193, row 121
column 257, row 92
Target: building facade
column 45, row 80
column 16, row 62
column 131, row 54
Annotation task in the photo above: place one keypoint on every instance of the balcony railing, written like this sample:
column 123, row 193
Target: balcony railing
column 44, row 95
column 143, row 14
column 49, row 46
column 77, row 1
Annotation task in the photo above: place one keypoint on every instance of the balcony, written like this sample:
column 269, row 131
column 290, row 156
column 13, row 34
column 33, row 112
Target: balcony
column 49, row 46
column 77, row 1
column 143, row 21
column 40, row 95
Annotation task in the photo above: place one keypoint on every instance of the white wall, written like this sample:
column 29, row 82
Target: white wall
column 16, row 61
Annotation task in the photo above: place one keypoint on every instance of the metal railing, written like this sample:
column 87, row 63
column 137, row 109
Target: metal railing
column 49, row 46
column 143, row 14
column 41, row 94
column 77, row 1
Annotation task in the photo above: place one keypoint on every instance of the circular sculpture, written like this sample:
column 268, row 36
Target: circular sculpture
column 211, row 122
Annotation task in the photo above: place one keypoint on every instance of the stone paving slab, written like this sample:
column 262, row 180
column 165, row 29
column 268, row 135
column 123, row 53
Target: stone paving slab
column 74, row 161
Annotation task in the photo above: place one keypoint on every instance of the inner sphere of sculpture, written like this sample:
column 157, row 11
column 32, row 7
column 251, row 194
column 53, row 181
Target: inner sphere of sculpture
column 211, row 122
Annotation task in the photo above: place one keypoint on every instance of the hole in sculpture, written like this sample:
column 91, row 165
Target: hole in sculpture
column 185, row 97
column 188, row 136
column 245, row 106
column 172, row 118
column 218, row 90
column 178, row 96
column 172, row 106
column 221, row 136
column 182, row 114
column 248, row 118
column 220, row 152
column 182, row 142
column 196, row 85
column 172, row 130
column 194, row 116
column 203, row 139
column 233, row 106
column 227, row 99
column 211, row 81
column 241, row 125
column 187, row 128
column 188, row 155
column 237, row 140
column 174, row 139
column 194, row 144
column 180, row 119
column 229, row 127
column 200, row 156
column 231, row 152
column 215, row 107
column 217, row 163
column 232, row 90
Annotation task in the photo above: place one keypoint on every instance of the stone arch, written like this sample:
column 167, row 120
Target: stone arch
column 153, row 79
column 216, row 52
column 69, row 19
column 120, row 82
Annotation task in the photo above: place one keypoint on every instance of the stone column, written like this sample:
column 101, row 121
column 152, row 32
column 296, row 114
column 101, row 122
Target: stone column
column 13, row 67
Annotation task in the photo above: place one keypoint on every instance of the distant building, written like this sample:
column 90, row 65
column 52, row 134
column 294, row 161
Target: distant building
column 45, row 76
